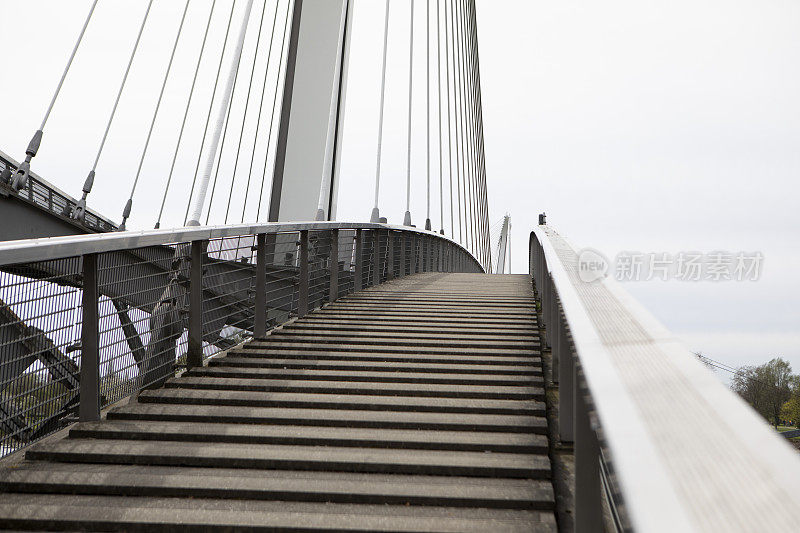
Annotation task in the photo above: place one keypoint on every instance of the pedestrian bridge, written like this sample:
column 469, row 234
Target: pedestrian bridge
column 403, row 390
column 330, row 375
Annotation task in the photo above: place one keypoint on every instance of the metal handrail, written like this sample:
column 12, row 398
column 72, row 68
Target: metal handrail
column 86, row 320
column 685, row 453
column 26, row 250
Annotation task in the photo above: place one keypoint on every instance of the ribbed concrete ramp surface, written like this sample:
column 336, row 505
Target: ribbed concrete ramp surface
column 416, row 405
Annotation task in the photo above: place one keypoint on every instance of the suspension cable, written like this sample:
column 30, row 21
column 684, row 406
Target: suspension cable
column 479, row 132
column 185, row 114
column 473, row 141
column 127, row 211
column 467, row 86
column 228, row 110
column 21, row 176
column 455, row 121
column 80, row 208
column 246, row 109
column 479, row 148
column 208, row 116
column 449, row 139
column 439, row 109
column 407, row 217
column 428, row 111
column 260, row 108
column 479, row 111
column 225, row 105
column 375, row 216
column 467, row 150
column 458, row 121
column 469, row 194
column 289, row 10
column 69, row 64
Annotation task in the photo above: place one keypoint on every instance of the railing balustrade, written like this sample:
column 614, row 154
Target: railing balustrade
column 656, row 435
column 86, row 321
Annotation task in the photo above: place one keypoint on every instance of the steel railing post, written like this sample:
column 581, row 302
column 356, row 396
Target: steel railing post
column 359, row 275
column 429, row 252
column 554, row 328
column 333, row 266
column 588, row 503
column 413, row 256
column 194, row 349
column 376, row 257
column 389, row 255
column 421, row 254
column 302, row 299
column 89, row 407
column 403, row 245
column 566, row 385
column 260, row 325
column 546, row 317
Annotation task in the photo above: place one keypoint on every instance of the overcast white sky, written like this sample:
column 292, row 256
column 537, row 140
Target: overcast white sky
column 637, row 126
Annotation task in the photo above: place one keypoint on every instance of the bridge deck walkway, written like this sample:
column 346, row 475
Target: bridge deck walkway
column 416, row 405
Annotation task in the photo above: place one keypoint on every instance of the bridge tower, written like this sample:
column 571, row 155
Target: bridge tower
column 306, row 166
column 503, row 246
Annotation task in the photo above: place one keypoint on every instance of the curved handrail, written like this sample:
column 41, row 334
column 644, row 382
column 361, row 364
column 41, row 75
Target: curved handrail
column 686, row 453
column 28, row 250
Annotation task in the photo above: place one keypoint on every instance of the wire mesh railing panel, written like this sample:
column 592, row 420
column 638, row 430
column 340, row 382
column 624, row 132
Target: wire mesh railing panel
column 383, row 254
column 347, row 263
column 283, row 273
column 319, row 258
column 40, row 331
column 366, row 259
column 404, row 245
column 229, row 284
column 142, row 317
column 166, row 306
column 392, row 255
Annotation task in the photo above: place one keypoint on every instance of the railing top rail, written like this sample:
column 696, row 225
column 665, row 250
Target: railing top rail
column 29, row 250
column 688, row 453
